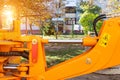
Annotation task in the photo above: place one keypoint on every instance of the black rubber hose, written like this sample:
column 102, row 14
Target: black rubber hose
column 23, row 54
column 96, row 20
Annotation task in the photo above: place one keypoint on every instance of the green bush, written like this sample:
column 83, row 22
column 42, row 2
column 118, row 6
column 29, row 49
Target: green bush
column 89, row 13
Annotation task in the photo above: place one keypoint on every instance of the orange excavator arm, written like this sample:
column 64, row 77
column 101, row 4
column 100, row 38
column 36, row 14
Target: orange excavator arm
column 104, row 53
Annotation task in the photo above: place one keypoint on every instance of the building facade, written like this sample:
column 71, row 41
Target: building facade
column 66, row 15
column 70, row 15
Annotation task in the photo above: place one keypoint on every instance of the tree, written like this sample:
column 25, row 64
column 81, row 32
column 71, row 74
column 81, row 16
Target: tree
column 29, row 8
column 35, row 10
column 87, row 20
column 58, row 12
column 113, row 5
column 89, row 13
column 87, row 7
column 48, row 28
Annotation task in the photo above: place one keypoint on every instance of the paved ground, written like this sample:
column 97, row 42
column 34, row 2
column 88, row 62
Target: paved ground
column 95, row 76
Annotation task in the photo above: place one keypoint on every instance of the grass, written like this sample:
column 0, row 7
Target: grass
column 57, row 55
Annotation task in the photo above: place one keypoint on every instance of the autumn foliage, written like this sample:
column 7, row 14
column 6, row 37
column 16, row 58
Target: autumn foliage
column 29, row 8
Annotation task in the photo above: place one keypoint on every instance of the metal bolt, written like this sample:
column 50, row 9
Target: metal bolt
column 34, row 41
column 88, row 61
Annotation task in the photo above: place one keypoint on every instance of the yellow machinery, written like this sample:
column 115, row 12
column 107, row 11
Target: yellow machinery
column 104, row 53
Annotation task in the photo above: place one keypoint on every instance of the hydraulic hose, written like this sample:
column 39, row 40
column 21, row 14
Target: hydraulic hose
column 96, row 20
column 23, row 54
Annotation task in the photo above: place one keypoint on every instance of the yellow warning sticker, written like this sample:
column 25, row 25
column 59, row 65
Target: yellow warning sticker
column 104, row 40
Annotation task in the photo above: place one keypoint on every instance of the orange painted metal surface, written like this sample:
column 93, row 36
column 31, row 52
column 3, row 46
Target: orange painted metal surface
column 89, row 41
column 103, row 54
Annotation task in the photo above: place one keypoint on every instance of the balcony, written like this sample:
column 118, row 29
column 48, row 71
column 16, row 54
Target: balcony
column 70, row 15
column 70, row 3
column 57, row 19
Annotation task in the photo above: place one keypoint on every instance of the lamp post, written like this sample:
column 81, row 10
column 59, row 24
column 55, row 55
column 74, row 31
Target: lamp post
column 72, row 33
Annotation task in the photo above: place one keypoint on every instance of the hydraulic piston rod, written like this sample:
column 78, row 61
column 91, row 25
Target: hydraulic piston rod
column 66, row 41
column 10, row 67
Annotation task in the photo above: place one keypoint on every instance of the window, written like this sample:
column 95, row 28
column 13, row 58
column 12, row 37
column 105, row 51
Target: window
column 70, row 10
column 70, row 21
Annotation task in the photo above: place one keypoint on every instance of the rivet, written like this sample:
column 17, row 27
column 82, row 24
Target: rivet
column 88, row 61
